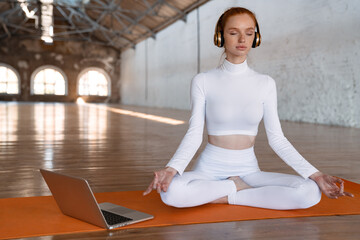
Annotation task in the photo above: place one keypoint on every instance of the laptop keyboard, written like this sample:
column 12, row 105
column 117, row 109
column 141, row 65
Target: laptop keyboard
column 112, row 218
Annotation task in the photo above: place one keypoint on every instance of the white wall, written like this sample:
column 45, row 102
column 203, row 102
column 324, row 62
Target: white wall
column 310, row 47
column 165, row 65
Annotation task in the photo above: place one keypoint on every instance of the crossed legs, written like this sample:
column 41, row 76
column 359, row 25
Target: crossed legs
column 268, row 190
column 194, row 189
column 277, row 191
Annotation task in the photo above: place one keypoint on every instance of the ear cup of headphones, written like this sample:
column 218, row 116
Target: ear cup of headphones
column 219, row 36
column 218, row 39
column 257, row 38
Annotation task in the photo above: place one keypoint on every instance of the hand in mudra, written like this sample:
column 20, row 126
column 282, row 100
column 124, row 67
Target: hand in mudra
column 162, row 180
column 332, row 187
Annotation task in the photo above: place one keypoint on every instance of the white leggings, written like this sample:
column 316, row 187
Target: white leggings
column 208, row 182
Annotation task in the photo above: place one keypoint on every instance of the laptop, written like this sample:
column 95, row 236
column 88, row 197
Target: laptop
column 75, row 198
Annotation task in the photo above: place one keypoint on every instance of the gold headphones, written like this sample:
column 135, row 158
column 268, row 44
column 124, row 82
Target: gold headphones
column 219, row 40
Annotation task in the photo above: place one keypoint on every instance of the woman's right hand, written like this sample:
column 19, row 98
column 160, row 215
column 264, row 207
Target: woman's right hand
column 162, row 180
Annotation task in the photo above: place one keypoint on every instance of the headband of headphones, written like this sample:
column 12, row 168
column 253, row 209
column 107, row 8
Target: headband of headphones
column 219, row 40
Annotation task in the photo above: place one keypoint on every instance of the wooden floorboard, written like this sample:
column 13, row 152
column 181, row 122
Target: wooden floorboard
column 118, row 152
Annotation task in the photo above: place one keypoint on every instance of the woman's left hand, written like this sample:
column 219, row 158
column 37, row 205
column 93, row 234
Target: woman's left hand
column 329, row 185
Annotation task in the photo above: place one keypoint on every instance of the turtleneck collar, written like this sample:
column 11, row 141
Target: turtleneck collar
column 234, row 68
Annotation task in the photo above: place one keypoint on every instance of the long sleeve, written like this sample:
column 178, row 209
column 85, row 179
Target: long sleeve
column 194, row 135
column 276, row 138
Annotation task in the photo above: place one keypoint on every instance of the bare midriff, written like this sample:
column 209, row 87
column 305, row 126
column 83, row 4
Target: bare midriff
column 234, row 142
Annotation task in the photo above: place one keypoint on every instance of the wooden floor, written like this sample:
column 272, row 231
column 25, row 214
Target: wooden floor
column 118, row 152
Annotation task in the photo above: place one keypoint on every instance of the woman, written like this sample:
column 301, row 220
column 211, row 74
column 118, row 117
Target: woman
column 233, row 99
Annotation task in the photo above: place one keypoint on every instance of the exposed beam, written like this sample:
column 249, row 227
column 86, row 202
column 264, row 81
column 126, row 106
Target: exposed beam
column 182, row 14
column 134, row 23
column 19, row 27
column 6, row 29
column 99, row 27
column 90, row 21
column 170, row 21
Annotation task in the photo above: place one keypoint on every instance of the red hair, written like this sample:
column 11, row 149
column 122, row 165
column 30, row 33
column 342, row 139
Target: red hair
column 232, row 12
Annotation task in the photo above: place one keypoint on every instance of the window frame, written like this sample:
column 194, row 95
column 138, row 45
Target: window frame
column 39, row 69
column 18, row 77
column 94, row 69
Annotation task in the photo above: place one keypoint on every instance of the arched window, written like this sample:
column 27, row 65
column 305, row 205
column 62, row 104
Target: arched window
column 9, row 80
column 48, row 80
column 94, row 82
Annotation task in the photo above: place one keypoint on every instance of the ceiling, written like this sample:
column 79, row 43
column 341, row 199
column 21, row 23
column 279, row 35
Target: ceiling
column 119, row 24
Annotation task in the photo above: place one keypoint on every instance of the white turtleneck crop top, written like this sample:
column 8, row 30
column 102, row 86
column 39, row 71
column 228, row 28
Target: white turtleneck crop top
column 232, row 99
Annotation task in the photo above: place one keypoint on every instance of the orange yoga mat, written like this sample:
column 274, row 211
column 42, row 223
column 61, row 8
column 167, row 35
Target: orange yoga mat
column 39, row 216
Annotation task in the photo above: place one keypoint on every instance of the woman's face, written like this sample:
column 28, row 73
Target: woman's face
column 239, row 34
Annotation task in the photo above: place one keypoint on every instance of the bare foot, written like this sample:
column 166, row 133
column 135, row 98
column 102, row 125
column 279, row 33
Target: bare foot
column 240, row 184
column 221, row 200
